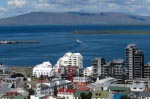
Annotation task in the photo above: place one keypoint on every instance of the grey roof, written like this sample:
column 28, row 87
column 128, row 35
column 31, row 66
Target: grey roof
column 118, row 61
column 144, row 94
column 18, row 81
column 131, row 46
column 4, row 89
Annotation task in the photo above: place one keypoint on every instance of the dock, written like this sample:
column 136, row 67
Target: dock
column 16, row 42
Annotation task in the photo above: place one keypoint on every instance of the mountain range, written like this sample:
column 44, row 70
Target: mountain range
column 74, row 18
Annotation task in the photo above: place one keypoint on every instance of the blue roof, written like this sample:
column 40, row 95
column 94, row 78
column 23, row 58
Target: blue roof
column 117, row 96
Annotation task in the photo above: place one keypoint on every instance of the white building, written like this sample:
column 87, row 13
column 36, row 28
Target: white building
column 70, row 59
column 88, row 71
column 47, row 88
column 138, row 87
column 44, row 69
column 37, row 96
column 66, row 93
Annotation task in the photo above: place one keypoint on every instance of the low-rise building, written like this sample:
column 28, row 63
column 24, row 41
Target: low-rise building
column 81, row 81
column 144, row 95
column 138, row 87
column 66, row 93
column 102, row 95
column 47, row 88
column 118, row 89
column 44, row 69
column 145, row 81
column 37, row 96
column 102, row 84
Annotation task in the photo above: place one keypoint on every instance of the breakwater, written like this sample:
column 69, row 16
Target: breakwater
column 15, row 42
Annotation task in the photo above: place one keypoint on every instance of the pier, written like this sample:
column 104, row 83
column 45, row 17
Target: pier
column 16, row 42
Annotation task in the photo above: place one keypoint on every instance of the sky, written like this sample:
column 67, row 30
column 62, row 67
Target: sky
column 16, row 7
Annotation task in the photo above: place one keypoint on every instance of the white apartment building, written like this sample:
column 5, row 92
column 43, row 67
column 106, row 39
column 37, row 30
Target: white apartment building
column 88, row 71
column 44, row 69
column 70, row 59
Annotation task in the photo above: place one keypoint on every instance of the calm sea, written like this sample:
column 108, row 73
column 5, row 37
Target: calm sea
column 55, row 41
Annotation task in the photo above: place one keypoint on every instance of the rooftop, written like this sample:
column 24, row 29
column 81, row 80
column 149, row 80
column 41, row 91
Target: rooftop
column 118, row 61
column 63, row 90
column 100, row 94
column 147, row 89
column 45, row 65
column 131, row 46
column 144, row 94
column 118, row 88
column 117, row 96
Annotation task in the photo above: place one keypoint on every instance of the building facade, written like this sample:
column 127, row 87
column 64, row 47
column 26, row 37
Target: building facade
column 147, row 71
column 44, row 69
column 98, row 64
column 88, row 71
column 80, row 82
column 134, row 62
column 116, row 71
column 70, row 59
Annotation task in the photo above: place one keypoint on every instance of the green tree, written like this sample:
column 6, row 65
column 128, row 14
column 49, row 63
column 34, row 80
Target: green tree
column 41, row 77
column 83, row 95
column 13, row 85
column 89, row 95
column 125, row 97
column 17, row 75
column 55, row 91
column 31, row 92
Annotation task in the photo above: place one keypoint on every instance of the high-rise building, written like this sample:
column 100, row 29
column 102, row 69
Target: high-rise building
column 134, row 62
column 138, row 64
column 147, row 71
column 98, row 64
column 116, row 69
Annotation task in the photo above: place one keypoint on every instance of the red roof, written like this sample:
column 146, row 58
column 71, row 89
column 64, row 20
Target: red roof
column 41, row 81
column 62, row 90
column 147, row 89
column 11, row 93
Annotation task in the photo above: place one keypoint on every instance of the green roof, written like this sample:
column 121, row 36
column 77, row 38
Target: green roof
column 78, row 93
column 100, row 94
column 118, row 88
column 16, row 97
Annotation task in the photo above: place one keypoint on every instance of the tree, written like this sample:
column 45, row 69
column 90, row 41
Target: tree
column 55, row 91
column 89, row 95
column 83, row 95
column 31, row 92
column 125, row 97
column 41, row 77
column 17, row 75
column 13, row 85
column 86, row 96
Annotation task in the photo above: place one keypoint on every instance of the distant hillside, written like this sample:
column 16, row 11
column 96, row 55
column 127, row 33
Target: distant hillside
column 47, row 18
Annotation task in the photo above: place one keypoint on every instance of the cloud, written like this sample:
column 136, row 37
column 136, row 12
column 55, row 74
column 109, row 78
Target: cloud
column 3, row 9
column 17, row 3
column 139, row 7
